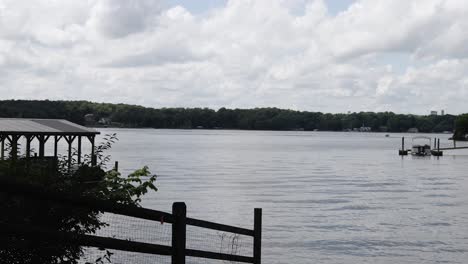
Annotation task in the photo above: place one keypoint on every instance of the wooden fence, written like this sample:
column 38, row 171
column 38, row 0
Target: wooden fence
column 178, row 218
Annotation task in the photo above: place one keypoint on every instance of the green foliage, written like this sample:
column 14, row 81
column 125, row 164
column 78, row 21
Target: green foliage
column 83, row 180
column 128, row 189
column 258, row 118
column 106, row 258
column 461, row 127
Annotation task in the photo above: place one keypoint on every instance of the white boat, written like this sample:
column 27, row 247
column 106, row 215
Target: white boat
column 421, row 149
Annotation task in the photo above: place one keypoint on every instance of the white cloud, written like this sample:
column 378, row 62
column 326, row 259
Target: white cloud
column 119, row 18
column 248, row 53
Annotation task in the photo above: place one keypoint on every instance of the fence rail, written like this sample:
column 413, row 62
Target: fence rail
column 178, row 218
column 41, row 234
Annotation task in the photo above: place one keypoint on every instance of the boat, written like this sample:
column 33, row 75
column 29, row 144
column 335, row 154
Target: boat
column 419, row 149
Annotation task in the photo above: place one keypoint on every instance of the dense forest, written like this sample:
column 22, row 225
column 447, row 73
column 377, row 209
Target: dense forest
column 89, row 113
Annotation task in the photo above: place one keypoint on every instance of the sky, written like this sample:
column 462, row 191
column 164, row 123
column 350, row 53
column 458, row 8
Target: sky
column 329, row 56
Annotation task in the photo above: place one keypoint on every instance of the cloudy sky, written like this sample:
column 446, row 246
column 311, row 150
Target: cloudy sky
column 330, row 56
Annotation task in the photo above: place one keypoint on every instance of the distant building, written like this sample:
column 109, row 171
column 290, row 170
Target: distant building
column 90, row 120
column 413, row 130
column 365, row 129
column 105, row 121
column 442, row 112
column 433, row 113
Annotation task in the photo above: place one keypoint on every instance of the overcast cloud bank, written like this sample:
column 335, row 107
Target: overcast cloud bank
column 378, row 55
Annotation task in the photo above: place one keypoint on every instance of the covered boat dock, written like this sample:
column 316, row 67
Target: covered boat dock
column 12, row 130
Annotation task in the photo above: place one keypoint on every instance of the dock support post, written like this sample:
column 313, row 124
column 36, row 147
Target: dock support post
column 436, row 151
column 257, row 250
column 93, row 154
column 41, row 146
column 2, row 150
column 14, row 147
column 179, row 212
column 435, row 142
column 28, row 147
column 79, row 150
column 69, row 140
column 56, row 141
column 42, row 142
column 402, row 152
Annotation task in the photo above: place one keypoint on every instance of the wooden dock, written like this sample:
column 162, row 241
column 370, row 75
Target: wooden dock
column 436, row 151
column 453, row 148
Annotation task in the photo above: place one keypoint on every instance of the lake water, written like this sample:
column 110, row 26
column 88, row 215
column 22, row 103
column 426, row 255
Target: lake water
column 326, row 197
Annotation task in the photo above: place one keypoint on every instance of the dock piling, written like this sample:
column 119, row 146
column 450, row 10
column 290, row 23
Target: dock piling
column 437, row 152
column 403, row 152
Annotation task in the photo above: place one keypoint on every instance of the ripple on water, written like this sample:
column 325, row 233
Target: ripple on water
column 340, row 228
column 446, row 204
column 329, row 198
column 369, row 247
column 356, row 208
column 437, row 224
column 436, row 195
column 379, row 184
column 309, row 201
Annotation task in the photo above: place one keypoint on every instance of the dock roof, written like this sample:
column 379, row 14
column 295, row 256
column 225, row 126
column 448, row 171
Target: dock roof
column 27, row 126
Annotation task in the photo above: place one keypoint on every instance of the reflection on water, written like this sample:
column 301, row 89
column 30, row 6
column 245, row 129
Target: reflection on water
column 327, row 197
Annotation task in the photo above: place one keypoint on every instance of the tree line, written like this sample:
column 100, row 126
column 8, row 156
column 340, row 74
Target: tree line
column 251, row 119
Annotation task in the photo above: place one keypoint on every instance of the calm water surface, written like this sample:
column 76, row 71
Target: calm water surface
column 326, row 197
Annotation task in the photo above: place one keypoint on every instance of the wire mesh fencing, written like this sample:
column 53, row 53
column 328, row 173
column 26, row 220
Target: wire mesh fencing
column 218, row 241
column 128, row 234
column 130, row 229
column 147, row 231
column 135, row 229
column 93, row 255
column 140, row 230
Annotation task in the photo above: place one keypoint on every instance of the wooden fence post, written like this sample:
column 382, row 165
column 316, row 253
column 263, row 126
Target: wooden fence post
column 257, row 250
column 179, row 212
